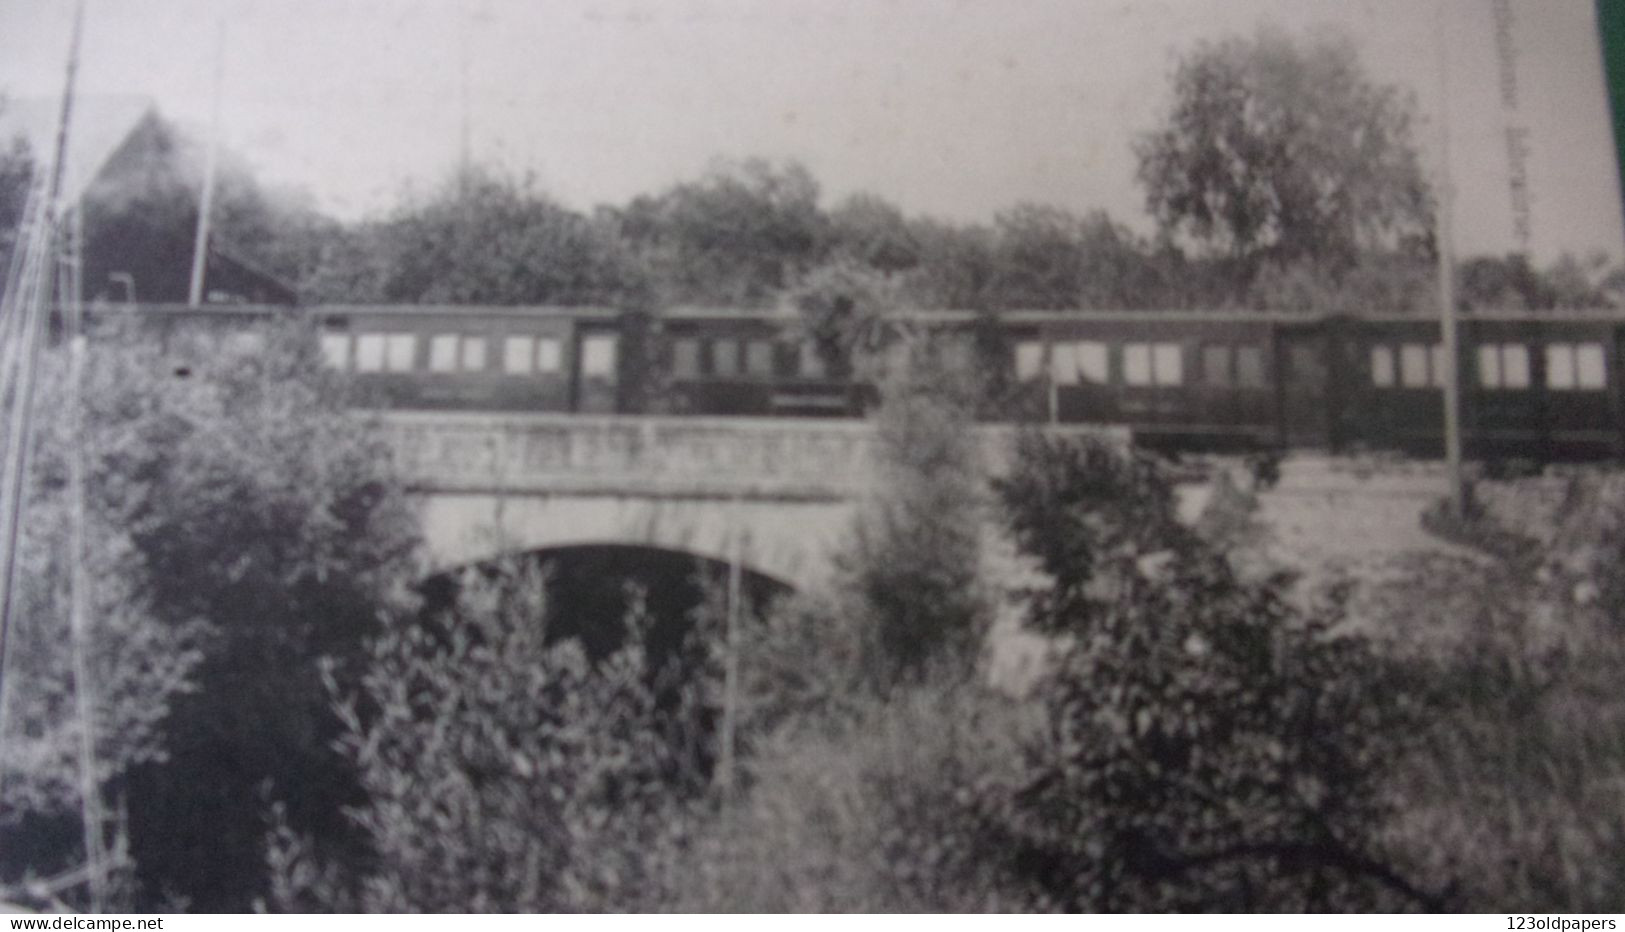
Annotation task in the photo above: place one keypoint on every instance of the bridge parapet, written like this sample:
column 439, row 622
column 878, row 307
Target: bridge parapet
column 646, row 456
column 673, row 457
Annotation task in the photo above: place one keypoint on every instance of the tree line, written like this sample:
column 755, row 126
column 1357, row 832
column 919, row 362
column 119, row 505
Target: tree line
column 1281, row 176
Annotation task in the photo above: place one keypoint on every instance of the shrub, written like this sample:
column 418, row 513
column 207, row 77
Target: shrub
column 504, row 771
column 1513, row 791
column 1210, row 745
column 245, row 524
column 912, row 573
column 887, row 808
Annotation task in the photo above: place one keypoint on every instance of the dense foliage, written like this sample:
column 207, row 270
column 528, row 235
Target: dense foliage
column 16, row 171
column 913, row 568
column 138, row 663
column 229, row 486
column 1513, row 792
column 263, row 508
column 506, row 771
column 1210, row 745
column 1275, row 148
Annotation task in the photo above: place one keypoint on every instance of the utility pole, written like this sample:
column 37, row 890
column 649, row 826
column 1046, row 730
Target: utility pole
column 24, row 308
column 730, row 669
column 464, row 134
column 200, row 244
column 79, row 584
column 1444, row 243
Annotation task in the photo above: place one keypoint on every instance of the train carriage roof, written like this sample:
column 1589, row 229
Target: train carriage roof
column 924, row 317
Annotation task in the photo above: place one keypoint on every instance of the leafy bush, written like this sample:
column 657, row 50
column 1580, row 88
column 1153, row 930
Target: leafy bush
column 1513, row 791
column 883, row 808
column 246, row 524
column 912, row 573
column 1210, row 745
column 504, row 771
column 138, row 663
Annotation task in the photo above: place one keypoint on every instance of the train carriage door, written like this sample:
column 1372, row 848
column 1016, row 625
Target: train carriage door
column 1616, row 391
column 597, row 372
column 1304, row 387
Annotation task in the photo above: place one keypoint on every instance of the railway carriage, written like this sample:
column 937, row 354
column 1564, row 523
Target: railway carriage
column 546, row 359
column 722, row 361
column 1537, row 385
column 1175, row 379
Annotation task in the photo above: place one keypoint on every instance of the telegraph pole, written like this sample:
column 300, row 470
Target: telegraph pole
column 200, row 244
column 1444, row 244
column 730, row 676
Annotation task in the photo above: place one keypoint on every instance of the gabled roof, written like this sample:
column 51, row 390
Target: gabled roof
column 101, row 124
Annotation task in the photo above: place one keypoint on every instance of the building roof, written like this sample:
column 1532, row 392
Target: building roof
column 101, row 124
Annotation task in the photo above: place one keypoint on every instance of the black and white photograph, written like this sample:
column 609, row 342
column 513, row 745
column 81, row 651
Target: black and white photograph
column 812, row 456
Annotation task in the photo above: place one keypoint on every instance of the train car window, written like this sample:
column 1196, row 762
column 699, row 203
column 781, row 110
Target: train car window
column 1137, row 363
column 1576, row 366
column 518, row 355
column 725, row 358
column 369, row 352
column 598, row 356
column 956, row 354
column 1382, row 366
column 1216, row 365
column 1169, row 363
column 759, row 358
column 1094, row 364
column 549, row 355
column 336, row 350
column 1514, row 365
column 812, row 361
column 1413, row 365
column 1063, row 364
column 473, row 354
column 443, row 352
column 1503, row 365
column 685, row 358
column 1560, row 366
column 1029, row 360
column 1489, row 366
column 1590, row 368
column 1436, row 360
column 1250, row 367
column 400, row 351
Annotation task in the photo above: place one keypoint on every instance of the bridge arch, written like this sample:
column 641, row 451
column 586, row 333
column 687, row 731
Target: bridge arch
column 791, row 542
column 589, row 595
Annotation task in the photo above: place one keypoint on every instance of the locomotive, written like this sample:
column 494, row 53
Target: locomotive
column 1536, row 385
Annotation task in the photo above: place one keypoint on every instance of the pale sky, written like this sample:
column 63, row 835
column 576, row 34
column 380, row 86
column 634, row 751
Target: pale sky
column 956, row 108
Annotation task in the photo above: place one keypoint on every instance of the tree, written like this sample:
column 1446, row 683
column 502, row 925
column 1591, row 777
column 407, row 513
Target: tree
column 737, row 237
column 16, row 173
column 259, row 506
column 1048, row 258
column 913, row 571
column 1209, row 745
column 1512, row 282
column 1286, row 150
column 483, row 239
column 1376, row 282
column 1589, row 283
column 845, row 310
column 504, row 770
column 139, row 664
column 957, row 267
column 871, row 231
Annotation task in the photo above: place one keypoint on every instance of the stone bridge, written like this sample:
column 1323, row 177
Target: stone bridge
column 778, row 493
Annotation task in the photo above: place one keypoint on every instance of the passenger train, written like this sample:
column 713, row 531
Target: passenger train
column 1539, row 385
